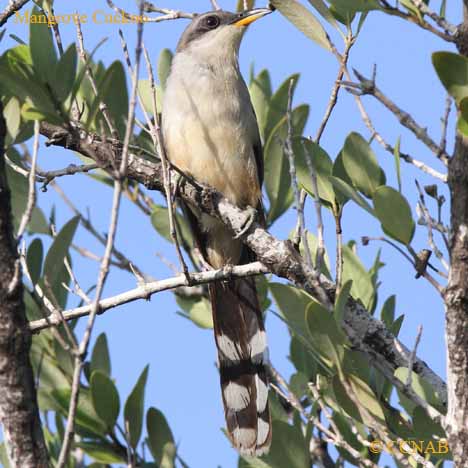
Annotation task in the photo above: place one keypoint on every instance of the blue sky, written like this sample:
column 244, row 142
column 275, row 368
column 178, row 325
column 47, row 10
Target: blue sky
column 183, row 380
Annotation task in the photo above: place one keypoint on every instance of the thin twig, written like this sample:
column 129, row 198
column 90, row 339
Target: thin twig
column 368, row 86
column 412, row 357
column 425, row 274
column 11, row 9
column 349, row 41
column 44, row 302
column 104, row 268
column 389, row 148
column 31, row 203
column 418, row 21
column 121, row 262
column 339, row 248
column 338, row 436
column 292, row 170
column 382, row 431
column 166, row 14
column 146, row 290
column 429, row 224
column 444, row 121
column 46, row 177
column 215, row 5
column 318, row 211
column 159, row 147
column 336, row 87
column 442, row 22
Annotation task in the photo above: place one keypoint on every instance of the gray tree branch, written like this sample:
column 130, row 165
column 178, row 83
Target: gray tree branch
column 19, row 413
column 365, row 332
column 456, row 296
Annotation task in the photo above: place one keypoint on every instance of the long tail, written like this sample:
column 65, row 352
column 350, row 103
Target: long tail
column 243, row 356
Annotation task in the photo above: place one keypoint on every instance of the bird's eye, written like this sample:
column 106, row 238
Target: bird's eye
column 212, row 22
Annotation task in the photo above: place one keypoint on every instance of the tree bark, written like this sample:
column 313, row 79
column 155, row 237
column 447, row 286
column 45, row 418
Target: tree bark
column 456, row 295
column 19, row 413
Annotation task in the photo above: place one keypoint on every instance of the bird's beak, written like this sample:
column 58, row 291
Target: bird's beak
column 246, row 17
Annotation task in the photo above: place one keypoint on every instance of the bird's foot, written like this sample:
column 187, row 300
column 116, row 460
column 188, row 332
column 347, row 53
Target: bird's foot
column 252, row 216
column 176, row 184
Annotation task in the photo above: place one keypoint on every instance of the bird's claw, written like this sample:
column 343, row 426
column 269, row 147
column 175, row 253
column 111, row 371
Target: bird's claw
column 248, row 223
column 177, row 181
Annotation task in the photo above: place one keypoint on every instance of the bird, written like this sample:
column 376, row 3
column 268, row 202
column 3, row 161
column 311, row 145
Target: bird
column 210, row 133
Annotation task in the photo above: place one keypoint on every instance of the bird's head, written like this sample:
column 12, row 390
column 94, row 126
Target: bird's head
column 217, row 31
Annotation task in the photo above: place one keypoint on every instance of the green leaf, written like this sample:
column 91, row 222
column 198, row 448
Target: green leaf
column 80, row 84
column 86, row 416
column 304, row 20
column 249, row 462
column 292, row 303
column 146, row 93
column 322, row 8
column 58, row 251
column 349, row 8
column 345, row 191
column 313, row 245
column 44, row 57
column 105, row 398
column 326, row 338
column 112, row 90
column 102, row 452
column 133, row 412
column 347, row 433
column 462, row 122
column 361, row 165
column 396, row 325
column 339, row 172
column 363, row 394
column 277, row 176
column 160, row 439
column 298, row 384
column 64, row 359
column 425, row 427
column 289, row 448
column 387, row 315
column 302, row 358
column 65, row 73
column 341, row 300
column 100, row 359
column 34, row 260
column 421, row 387
column 51, row 376
column 12, row 115
column 452, row 70
column 19, row 187
column 322, row 165
column 4, row 456
column 353, row 269
column 394, row 213
column 164, row 66
column 279, row 104
column 260, row 94
column 160, row 221
column 197, row 310
column 201, row 315
column 240, row 5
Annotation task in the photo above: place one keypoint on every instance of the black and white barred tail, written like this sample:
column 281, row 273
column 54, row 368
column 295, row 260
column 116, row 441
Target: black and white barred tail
column 243, row 358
